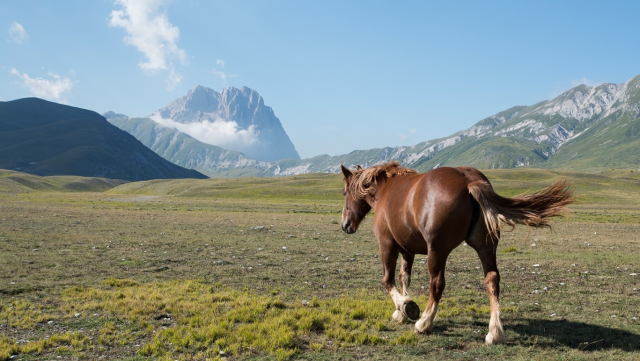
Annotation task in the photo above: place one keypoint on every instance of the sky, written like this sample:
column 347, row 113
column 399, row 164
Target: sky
column 340, row 75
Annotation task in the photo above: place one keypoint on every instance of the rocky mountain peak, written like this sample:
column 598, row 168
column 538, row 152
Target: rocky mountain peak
column 252, row 126
column 584, row 102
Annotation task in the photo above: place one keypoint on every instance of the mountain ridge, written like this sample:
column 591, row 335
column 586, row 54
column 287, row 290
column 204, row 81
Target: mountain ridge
column 559, row 133
column 45, row 138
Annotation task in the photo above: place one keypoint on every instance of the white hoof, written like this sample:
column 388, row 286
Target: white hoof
column 399, row 317
column 491, row 339
column 422, row 327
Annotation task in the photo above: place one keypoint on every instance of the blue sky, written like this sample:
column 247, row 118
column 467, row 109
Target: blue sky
column 340, row 75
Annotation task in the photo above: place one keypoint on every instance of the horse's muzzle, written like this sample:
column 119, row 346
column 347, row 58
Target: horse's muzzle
column 347, row 227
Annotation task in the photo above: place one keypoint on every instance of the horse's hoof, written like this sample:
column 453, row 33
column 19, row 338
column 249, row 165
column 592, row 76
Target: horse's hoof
column 411, row 310
column 491, row 340
column 421, row 328
column 399, row 317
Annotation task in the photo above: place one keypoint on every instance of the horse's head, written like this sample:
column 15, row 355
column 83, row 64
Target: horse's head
column 361, row 188
column 356, row 206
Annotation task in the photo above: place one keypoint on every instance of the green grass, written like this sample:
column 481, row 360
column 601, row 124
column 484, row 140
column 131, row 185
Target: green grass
column 17, row 182
column 259, row 268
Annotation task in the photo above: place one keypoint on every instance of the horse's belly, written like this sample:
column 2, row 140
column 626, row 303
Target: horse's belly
column 415, row 244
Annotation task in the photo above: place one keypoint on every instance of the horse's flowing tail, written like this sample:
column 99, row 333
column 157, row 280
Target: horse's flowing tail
column 534, row 209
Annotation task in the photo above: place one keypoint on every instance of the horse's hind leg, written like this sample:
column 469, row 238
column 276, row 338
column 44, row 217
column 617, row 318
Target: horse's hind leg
column 405, row 272
column 486, row 249
column 436, row 263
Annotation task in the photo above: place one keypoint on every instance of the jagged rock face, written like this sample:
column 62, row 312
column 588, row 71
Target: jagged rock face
column 263, row 137
column 585, row 102
column 555, row 122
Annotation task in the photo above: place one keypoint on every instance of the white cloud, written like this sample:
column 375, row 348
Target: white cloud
column 174, row 79
column 225, row 134
column 402, row 137
column 55, row 89
column 17, row 33
column 585, row 81
column 149, row 30
column 222, row 74
column 561, row 88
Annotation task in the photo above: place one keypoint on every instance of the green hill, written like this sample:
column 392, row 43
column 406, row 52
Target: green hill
column 46, row 138
column 18, row 182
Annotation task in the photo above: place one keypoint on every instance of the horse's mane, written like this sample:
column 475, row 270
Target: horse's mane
column 365, row 181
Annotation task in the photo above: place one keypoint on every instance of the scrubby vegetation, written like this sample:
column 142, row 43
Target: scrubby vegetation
column 259, row 268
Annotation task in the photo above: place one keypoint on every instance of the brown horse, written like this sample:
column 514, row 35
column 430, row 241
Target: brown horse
column 432, row 213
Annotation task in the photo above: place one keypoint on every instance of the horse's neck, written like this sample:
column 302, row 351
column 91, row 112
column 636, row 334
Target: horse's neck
column 372, row 199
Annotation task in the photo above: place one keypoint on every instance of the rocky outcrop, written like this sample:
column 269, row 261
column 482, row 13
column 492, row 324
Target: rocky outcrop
column 252, row 127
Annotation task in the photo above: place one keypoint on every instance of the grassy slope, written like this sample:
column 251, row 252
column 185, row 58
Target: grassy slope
column 607, row 186
column 613, row 145
column 45, row 138
column 192, row 268
column 17, row 182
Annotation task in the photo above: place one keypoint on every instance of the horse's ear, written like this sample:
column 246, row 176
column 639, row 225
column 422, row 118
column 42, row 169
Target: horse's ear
column 347, row 173
column 359, row 167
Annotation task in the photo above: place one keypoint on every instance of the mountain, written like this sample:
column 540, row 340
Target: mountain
column 235, row 119
column 112, row 115
column 584, row 128
column 45, row 138
column 183, row 150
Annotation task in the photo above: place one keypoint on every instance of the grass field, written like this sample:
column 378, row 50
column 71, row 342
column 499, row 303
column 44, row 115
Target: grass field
column 259, row 269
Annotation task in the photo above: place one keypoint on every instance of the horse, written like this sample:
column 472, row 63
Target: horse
column 431, row 214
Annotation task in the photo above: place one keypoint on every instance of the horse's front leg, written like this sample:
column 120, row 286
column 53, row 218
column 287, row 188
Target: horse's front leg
column 405, row 308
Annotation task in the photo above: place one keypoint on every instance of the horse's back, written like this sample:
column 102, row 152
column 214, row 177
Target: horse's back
column 472, row 174
column 453, row 180
column 434, row 205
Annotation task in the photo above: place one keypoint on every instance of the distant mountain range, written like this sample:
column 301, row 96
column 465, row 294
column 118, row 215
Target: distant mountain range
column 45, row 138
column 581, row 129
column 584, row 128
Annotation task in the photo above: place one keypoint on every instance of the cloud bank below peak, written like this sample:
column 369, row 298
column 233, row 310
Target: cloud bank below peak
column 222, row 133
